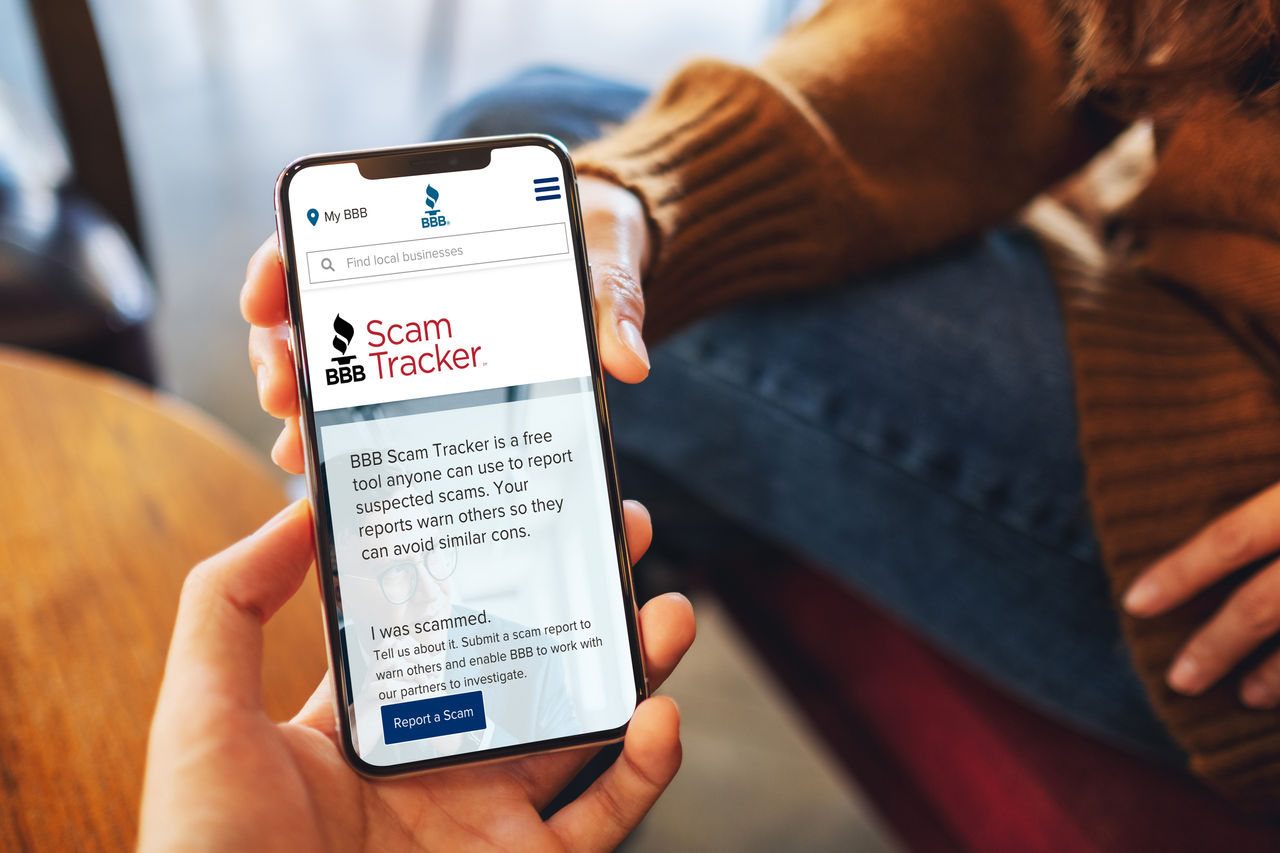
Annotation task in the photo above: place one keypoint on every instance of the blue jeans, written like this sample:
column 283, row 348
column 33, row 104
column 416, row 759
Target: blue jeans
column 912, row 431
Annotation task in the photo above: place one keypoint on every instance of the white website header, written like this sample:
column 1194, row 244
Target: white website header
column 436, row 284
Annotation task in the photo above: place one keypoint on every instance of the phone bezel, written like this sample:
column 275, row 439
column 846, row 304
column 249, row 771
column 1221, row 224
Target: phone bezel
column 429, row 159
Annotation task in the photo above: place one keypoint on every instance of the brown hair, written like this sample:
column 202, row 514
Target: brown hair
column 1153, row 55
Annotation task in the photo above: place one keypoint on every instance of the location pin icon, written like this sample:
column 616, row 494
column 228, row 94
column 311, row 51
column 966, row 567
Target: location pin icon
column 313, row 215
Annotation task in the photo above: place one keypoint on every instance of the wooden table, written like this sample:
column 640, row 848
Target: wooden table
column 109, row 493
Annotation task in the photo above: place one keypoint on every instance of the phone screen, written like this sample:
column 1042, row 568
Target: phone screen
column 478, row 591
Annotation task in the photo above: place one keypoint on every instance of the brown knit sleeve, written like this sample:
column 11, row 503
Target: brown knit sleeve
column 876, row 130
column 1177, row 372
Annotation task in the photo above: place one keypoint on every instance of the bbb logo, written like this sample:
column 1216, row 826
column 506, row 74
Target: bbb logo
column 433, row 217
column 345, row 371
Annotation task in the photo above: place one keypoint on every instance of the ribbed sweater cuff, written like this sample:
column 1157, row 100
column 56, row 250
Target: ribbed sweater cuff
column 745, row 191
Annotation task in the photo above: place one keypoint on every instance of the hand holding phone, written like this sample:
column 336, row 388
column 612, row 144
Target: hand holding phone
column 221, row 773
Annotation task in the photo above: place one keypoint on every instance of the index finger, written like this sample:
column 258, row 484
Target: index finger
column 1230, row 542
column 262, row 299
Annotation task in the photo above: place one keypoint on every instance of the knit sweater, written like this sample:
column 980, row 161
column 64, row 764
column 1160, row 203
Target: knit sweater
column 882, row 129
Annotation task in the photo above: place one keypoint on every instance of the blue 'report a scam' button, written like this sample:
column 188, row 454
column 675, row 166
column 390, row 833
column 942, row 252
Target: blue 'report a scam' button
column 424, row 718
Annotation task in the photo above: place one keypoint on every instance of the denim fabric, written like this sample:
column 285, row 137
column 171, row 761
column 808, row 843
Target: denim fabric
column 569, row 105
column 912, row 431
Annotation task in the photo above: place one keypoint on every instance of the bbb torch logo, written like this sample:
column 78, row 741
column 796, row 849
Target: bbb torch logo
column 433, row 216
column 345, row 371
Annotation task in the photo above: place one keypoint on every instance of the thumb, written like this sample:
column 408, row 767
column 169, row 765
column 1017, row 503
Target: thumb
column 617, row 236
column 619, row 319
column 217, row 638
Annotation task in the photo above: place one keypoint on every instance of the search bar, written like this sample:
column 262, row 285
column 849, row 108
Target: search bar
column 437, row 253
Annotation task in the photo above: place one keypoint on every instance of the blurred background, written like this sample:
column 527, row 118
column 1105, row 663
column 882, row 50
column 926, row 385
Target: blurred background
column 213, row 98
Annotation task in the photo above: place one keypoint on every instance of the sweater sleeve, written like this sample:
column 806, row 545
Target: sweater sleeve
column 873, row 131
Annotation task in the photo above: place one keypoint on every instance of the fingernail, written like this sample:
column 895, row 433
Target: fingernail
column 262, row 375
column 1256, row 694
column 1142, row 595
column 629, row 332
column 677, row 596
column 1184, row 676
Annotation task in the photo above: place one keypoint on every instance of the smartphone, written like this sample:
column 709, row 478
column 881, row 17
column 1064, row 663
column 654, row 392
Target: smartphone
column 469, row 541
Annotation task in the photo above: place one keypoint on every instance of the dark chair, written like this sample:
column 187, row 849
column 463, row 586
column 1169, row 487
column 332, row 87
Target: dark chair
column 951, row 763
column 72, row 276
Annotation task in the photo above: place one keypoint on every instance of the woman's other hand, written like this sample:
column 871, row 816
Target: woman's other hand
column 1250, row 617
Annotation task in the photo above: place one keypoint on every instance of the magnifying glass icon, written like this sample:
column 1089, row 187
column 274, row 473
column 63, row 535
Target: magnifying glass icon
column 326, row 264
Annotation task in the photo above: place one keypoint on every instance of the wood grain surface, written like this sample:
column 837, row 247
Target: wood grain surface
column 109, row 493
